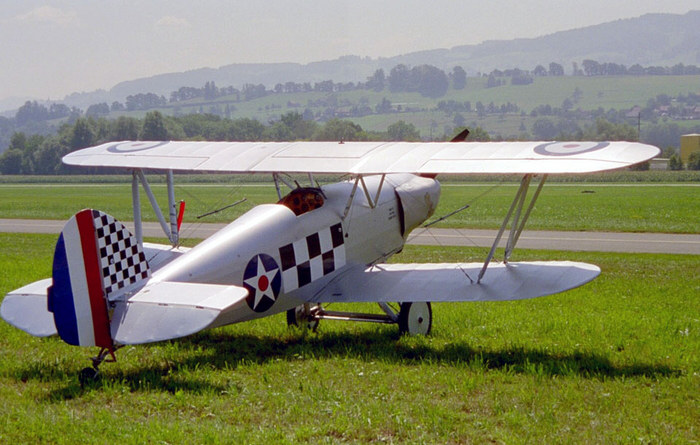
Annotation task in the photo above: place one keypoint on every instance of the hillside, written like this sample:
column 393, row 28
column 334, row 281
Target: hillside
column 653, row 39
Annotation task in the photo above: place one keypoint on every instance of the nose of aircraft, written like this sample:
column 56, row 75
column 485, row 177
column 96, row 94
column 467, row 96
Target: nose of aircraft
column 418, row 197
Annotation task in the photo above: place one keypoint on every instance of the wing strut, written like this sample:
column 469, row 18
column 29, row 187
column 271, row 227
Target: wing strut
column 171, row 231
column 516, row 225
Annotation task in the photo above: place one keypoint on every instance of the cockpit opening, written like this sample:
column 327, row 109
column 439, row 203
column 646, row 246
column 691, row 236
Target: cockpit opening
column 303, row 199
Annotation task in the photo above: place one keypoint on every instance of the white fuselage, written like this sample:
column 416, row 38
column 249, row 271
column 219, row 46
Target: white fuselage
column 284, row 259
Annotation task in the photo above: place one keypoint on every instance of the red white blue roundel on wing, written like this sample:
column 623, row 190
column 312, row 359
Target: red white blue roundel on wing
column 568, row 148
column 130, row 147
column 263, row 280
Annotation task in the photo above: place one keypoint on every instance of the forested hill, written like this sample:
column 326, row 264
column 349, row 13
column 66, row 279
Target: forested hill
column 653, row 39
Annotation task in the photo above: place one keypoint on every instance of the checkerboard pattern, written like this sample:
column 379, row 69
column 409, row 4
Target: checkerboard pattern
column 312, row 257
column 121, row 259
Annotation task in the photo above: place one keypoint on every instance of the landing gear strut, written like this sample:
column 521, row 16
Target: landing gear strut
column 304, row 316
column 412, row 318
column 91, row 373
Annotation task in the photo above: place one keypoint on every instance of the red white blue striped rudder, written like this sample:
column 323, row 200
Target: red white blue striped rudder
column 96, row 258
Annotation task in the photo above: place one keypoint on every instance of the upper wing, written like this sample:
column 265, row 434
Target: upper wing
column 456, row 282
column 368, row 157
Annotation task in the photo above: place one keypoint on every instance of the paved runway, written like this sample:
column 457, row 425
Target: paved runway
column 530, row 239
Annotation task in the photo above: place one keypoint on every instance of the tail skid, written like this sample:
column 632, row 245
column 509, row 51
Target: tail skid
column 96, row 259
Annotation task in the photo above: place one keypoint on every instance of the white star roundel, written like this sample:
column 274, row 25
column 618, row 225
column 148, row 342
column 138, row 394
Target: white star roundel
column 263, row 280
column 568, row 148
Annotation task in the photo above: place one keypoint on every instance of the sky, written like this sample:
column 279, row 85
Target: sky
column 52, row 48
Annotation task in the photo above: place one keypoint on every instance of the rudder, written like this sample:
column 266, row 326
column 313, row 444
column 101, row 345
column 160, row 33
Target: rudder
column 96, row 258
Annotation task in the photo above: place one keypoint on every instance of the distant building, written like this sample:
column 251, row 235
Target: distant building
column 690, row 143
column 658, row 164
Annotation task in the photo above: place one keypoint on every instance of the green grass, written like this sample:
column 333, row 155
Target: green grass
column 616, row 361
column 597, row 207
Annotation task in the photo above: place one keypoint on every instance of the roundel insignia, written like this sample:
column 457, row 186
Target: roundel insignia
column 568, row 148
column 263, row 280
column 130, row 147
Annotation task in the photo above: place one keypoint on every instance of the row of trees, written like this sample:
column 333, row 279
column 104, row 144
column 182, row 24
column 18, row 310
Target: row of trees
column 40, row 154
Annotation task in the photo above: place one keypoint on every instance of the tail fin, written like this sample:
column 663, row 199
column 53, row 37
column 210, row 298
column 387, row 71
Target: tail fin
column 96, row 258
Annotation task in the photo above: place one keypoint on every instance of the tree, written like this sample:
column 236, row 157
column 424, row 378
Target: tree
column 539, row 71
column 82, row 135
column 591, row 67
column 459, row 78
column 556, row 69
column 399, row 78
column 384, row 106
column 31, row 111
column 126, row 129
column 376, row 81
column 430, row 81
column 675, row 163
column 694, row 161
column 47, row 158
column 211, row 92
column 478, row 134
column 154, row 127
column 11, row 162
column 521, row 78
column 544, row 129
column 340, row 130
column 402, row 131
column 101, row 109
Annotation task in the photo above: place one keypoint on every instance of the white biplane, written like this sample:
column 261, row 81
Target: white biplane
column 316, row 245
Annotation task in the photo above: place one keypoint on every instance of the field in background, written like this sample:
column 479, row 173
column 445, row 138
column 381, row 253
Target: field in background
column 606, row 92
column 649, row 207
column 617, row 360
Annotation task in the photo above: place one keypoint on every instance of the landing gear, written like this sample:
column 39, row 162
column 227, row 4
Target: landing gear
column 304, row 317
column 415, row 318
column 87, row 376
column 412, row 318
column 91, row 373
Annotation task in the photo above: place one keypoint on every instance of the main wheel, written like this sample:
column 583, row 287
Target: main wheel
column 415, row 318
column 301, row 317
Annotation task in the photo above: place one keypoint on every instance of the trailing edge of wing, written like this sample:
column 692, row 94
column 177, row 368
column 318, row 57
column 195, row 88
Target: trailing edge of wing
column 457, row 282
column 368, row 157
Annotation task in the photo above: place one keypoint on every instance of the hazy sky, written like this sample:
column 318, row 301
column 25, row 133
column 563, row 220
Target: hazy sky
column 51, row 48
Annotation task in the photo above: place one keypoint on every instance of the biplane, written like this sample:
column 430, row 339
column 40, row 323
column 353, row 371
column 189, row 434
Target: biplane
column 318, row 244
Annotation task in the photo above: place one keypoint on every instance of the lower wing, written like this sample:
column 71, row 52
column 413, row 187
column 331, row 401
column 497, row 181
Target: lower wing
column 456, row 282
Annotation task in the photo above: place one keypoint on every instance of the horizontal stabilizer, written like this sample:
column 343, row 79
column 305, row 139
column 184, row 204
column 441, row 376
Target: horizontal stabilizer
column 167, row 310
column 457, row 282
column 25, row 308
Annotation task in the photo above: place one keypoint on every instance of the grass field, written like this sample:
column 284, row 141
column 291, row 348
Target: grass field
column 672, row 208
column 616, row 361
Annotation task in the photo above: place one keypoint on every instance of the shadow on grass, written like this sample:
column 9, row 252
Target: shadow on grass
column 219, row 350
column 226, row 351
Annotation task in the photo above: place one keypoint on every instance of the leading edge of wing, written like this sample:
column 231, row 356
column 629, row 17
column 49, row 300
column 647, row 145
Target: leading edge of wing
column 367, row 157
column 457, row 282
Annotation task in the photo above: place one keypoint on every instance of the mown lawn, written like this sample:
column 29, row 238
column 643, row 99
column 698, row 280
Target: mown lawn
column 673, row 208
column 616, row 361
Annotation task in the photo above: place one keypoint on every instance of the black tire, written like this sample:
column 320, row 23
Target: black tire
column 415, row 318
column 87, row 376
